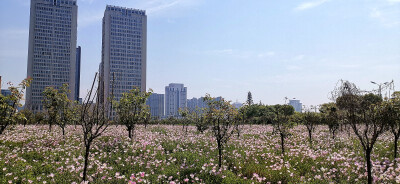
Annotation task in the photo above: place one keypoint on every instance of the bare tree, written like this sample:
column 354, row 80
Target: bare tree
column 94, row 119
column 221, row 116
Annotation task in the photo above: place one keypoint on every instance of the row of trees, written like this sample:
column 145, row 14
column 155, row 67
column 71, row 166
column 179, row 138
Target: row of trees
column 367, row 115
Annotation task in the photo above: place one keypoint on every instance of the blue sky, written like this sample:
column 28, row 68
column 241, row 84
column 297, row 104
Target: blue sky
column 297, row 48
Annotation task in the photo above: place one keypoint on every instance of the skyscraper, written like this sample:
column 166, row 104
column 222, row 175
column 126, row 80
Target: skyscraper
column 78, row 72
column 52, row 48
column 296, row 105
column 175, row 99
column 156, row 104
column 123, row 51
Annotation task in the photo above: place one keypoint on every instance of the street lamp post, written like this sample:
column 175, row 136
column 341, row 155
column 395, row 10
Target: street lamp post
column 379, row 87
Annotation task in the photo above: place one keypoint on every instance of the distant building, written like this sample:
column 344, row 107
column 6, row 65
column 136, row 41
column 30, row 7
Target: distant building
column 237, row 105
column 296, row 105
column 156, row 104
column 124, row 43
column 175, row 99
column 194, row 103
column 51, row 48
column 78, row 72
column 5, row 92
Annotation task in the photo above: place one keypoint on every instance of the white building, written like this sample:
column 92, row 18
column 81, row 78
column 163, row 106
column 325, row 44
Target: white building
column 123, row 51
column 296, row 105
column 175, row 99
column 51, row 49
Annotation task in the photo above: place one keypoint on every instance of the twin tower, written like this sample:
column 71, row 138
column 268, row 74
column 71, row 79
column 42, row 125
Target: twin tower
column 54, row 59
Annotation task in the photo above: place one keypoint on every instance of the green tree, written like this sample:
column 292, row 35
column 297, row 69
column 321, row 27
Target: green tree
column 391, row 115
column 330, row 116
column 130, row 108
column 311, row 120
column 222, row 117
column 198, row 117
column 363, row 114
column 281, row 122
column 9, row 104
column 58, row 106
column 184, row 119
column 249, row 100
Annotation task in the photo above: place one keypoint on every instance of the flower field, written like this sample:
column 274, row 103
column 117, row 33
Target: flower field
column 166, row 154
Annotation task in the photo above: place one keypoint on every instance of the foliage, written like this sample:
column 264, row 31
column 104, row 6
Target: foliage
column 9, row 104
column 222, row 117
column 362, row 113
column 131, row 108
column 198, row 117
column 281, row 121
column 58, row 107
column 330, row 115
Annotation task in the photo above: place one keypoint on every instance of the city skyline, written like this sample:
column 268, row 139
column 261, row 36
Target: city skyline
column 296, row 49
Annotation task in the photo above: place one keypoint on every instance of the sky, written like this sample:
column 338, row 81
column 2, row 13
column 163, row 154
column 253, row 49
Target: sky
column 274, row 49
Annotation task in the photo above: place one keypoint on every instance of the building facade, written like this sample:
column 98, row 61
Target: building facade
column 296, row 105
column 78, row 72
column 123, row 51
column 194, row 103
column 175, row 99
column 156, row 105
column 6, row 92
column 51, row 49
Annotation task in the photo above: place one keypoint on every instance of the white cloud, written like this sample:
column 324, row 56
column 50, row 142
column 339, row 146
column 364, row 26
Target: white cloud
column 387, row 16
column 310, row 4
column 159, row 6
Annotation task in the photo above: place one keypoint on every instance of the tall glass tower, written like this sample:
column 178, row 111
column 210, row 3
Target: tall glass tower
column 123, row 51
column 52, row 48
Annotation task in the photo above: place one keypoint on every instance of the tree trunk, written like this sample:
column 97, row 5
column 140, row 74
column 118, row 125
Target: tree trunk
column 396, row 139
column 369, row 164
column 333, row 134
column 310, row 136
column 219, row 153
column 130, row 132
column 2, row 128
column 63, row 131
column 50, row 127
column 87, row 150
column 282, row 144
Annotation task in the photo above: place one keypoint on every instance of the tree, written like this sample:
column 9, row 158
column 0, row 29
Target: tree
column 249, row 100
column 391, row 115
column 198, row 117
column 130, row 108
column 94, row 119
column 311, row 119
column 221, row 116
column 362, row 112
column 330, row 116
column 281, row 122
column 9, row 104
column 146, row 116
column 184, row 113
column 58, row 106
